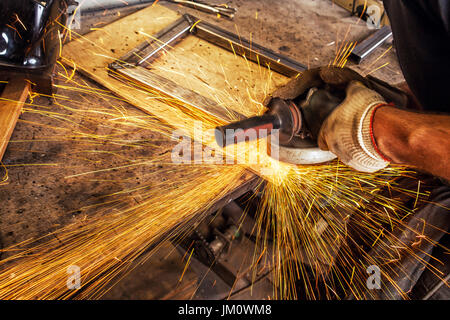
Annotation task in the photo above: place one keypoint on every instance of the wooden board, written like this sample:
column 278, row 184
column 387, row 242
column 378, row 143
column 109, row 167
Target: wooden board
column 12, row 99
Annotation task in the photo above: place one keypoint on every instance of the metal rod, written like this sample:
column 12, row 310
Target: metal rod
column 91, row 6
column 227, row 12
column 148, row 50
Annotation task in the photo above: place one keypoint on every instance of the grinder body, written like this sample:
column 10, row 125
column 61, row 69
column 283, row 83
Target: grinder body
column 293, row 121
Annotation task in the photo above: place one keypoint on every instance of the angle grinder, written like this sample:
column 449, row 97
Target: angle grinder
column 297, row 122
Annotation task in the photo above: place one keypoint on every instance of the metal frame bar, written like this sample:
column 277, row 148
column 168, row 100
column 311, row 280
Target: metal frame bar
column 131, row 65
column 366, row 47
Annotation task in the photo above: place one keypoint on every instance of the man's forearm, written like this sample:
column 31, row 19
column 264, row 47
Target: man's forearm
column 415, row 139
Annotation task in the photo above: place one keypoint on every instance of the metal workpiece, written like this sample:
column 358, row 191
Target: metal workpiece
column 133, row 65
column 367, row 46
column 94, row 6
column 294, row 145
column 188, row 24
column 169, row 37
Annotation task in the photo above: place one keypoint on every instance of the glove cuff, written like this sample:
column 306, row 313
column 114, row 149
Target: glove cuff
column 366, row 138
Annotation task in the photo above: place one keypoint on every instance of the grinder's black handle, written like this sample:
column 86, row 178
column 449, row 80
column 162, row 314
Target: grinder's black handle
column 246, row 130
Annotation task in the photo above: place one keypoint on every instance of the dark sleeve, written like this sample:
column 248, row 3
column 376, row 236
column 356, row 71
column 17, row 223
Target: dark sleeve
column 421, row 31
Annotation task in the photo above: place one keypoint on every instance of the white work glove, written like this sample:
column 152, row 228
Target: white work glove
column 347, row 130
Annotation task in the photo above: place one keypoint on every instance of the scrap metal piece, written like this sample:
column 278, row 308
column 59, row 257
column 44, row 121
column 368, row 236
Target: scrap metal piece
column 366, row 47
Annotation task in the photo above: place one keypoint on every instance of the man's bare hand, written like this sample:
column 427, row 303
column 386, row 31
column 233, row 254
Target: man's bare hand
column 416, row 139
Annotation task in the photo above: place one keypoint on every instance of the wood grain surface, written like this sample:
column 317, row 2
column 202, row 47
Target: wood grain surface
column 12, row 99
